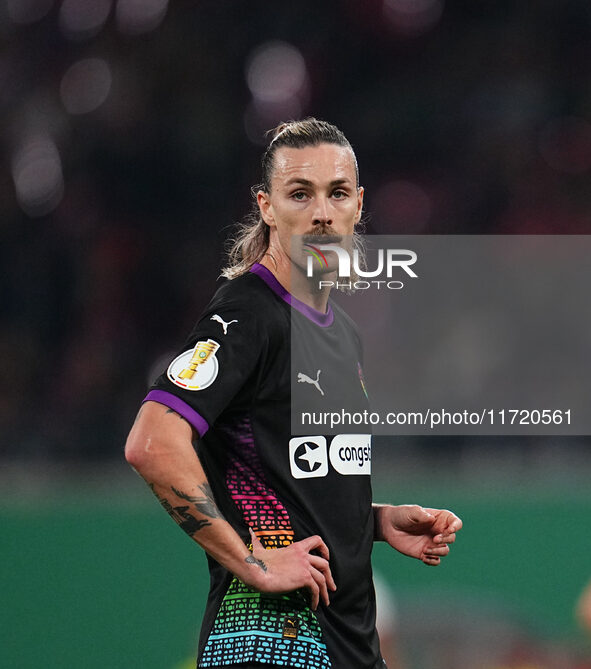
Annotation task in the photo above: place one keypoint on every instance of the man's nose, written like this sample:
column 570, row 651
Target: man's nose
column 321, row 212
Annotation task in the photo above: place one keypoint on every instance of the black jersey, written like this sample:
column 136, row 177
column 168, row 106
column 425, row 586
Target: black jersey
column 234, row 381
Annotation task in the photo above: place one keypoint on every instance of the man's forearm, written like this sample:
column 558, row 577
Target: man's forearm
column 160, row 450
column 199, row 516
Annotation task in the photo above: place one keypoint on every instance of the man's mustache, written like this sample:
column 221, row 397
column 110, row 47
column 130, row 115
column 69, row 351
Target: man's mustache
column 318, row 236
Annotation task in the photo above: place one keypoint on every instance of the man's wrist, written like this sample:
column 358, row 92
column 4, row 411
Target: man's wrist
column 378, row 511
column 250, row 559
column 253, row 572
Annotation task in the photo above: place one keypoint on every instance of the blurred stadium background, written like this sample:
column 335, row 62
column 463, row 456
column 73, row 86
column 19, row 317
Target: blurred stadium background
column 131, row 132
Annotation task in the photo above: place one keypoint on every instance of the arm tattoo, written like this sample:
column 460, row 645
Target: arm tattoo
column 252, row 560
column 176, row 413
column 205, row 504
column 180, row 515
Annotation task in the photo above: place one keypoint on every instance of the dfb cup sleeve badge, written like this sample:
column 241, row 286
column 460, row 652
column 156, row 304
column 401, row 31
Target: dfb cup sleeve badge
column 197, row 368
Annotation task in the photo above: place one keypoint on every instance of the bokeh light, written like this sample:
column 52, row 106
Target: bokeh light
column 276, row 72
column 37, row 175
column 412, row 17
column 85, row 85
column 135, row 17
column 81, row 19
column 277, row 77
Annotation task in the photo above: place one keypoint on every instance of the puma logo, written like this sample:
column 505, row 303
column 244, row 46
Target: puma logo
column 222, row 322
column 290, row 628
column 304, row 378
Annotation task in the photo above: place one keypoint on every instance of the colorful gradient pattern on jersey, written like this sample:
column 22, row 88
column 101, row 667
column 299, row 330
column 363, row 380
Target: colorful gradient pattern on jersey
column 251, row 626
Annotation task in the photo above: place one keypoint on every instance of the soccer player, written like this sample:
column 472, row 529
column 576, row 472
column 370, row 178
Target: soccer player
column 287, row 521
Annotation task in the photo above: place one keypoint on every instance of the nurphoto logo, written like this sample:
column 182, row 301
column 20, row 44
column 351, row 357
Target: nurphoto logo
column 350, row 266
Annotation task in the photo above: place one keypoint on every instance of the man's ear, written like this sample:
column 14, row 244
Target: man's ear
column 360, row 192
column 265, row 207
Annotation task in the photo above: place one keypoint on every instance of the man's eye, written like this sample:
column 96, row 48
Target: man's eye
column 298, row 195
column 339, row 194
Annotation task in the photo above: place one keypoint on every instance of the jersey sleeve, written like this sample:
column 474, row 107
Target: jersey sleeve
column 222, row 353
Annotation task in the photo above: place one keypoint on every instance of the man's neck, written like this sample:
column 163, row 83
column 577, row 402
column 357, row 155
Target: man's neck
column 295, row 281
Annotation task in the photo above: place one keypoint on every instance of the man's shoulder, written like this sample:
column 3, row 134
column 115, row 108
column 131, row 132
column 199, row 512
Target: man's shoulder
column 249, row 297
column 245, row 289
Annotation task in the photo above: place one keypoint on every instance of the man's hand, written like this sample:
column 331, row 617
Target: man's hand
column 421, row 533
column 292, row 568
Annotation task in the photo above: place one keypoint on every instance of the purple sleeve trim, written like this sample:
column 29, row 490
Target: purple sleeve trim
column 182, row 408
column 323, row 320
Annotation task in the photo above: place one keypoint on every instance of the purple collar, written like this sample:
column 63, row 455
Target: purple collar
column 323, row 320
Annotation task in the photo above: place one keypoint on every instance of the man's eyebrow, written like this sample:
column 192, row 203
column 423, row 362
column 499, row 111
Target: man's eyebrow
column 306, row 182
